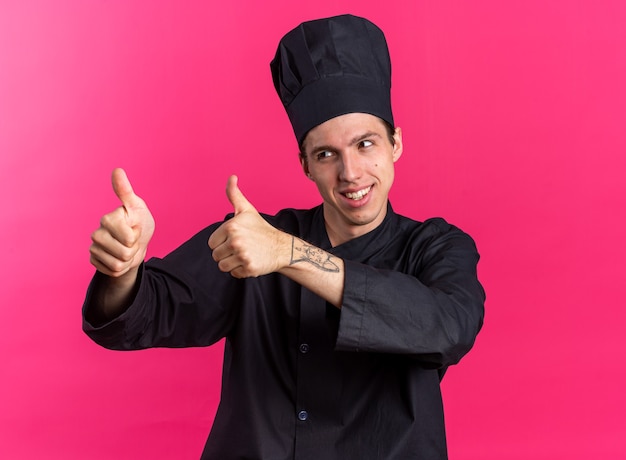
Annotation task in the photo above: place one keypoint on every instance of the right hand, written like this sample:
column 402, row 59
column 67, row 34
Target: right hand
column 119, row 246
column 247, row 245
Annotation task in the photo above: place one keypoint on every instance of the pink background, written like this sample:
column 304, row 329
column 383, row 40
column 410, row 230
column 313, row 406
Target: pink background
column 513, row 116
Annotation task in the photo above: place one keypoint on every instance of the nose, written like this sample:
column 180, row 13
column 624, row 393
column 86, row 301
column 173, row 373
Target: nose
column 351, row 167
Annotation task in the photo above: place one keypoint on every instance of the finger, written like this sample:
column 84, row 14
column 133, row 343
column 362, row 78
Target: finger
column 236, row 198
column 238, row 273
column 104, row 241
column 217, row 238
column 116, row 223
column 123, row 189
column 113, row 268
column 107, row 263
column 221, row 252
column 229, row 264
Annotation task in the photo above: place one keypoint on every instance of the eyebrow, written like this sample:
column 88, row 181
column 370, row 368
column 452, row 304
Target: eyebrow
column 354, row 140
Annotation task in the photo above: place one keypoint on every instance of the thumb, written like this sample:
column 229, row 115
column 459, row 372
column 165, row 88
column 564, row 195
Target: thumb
column 236, row 198
column 123, row 189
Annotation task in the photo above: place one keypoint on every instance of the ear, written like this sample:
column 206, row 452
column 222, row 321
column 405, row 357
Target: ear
column 304, row 162
column 397, row 146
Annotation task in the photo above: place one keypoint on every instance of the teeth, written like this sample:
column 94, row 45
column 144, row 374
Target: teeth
column 360, row 194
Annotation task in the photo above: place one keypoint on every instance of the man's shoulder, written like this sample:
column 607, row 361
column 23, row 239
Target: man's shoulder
column 436, row 224
column 430, row 228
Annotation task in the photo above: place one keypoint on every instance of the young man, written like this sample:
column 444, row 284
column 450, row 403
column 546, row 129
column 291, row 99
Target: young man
column 339, row 321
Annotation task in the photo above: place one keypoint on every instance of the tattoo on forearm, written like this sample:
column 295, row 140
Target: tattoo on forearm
column 302, row 252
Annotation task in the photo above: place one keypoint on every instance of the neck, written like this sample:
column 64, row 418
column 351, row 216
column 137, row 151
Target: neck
column 340, row 232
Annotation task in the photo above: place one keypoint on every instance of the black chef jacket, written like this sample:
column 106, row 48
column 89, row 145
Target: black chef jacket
column 302, row 379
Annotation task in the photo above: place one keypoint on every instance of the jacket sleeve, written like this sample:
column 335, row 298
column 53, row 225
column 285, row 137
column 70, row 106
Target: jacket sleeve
column 182, row 300
column 432, row 310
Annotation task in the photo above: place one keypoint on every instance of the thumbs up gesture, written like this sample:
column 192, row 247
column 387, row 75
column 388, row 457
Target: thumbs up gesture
column 119, row 245
column 247, row 245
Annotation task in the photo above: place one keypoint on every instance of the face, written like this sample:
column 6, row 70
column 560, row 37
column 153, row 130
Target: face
column 351, row 160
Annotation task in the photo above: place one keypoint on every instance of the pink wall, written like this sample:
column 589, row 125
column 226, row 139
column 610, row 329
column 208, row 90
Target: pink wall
column 513, row 115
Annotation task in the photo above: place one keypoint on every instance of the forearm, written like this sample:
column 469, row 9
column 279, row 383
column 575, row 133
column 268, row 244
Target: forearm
column 181, row 300
column 435, row 317
column 317, row 270
column 111, row 297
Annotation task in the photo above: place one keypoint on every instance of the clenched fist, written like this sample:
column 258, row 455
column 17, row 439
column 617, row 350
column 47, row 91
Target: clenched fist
column 246, row 245
column 119, row 246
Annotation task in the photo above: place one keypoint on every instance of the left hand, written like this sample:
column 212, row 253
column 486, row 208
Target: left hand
column 246, row 245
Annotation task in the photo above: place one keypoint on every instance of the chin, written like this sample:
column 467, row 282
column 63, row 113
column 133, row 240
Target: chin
column 361, row 220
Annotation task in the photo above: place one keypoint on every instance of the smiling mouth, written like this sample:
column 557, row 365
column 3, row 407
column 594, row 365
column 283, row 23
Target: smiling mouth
column 358, row 195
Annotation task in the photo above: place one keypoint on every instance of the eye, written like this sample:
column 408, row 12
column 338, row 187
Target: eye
column 365, row 144
column 323, row 154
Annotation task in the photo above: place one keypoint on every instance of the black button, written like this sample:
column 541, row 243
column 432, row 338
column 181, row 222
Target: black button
column 304, row 348
column 303, row 415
